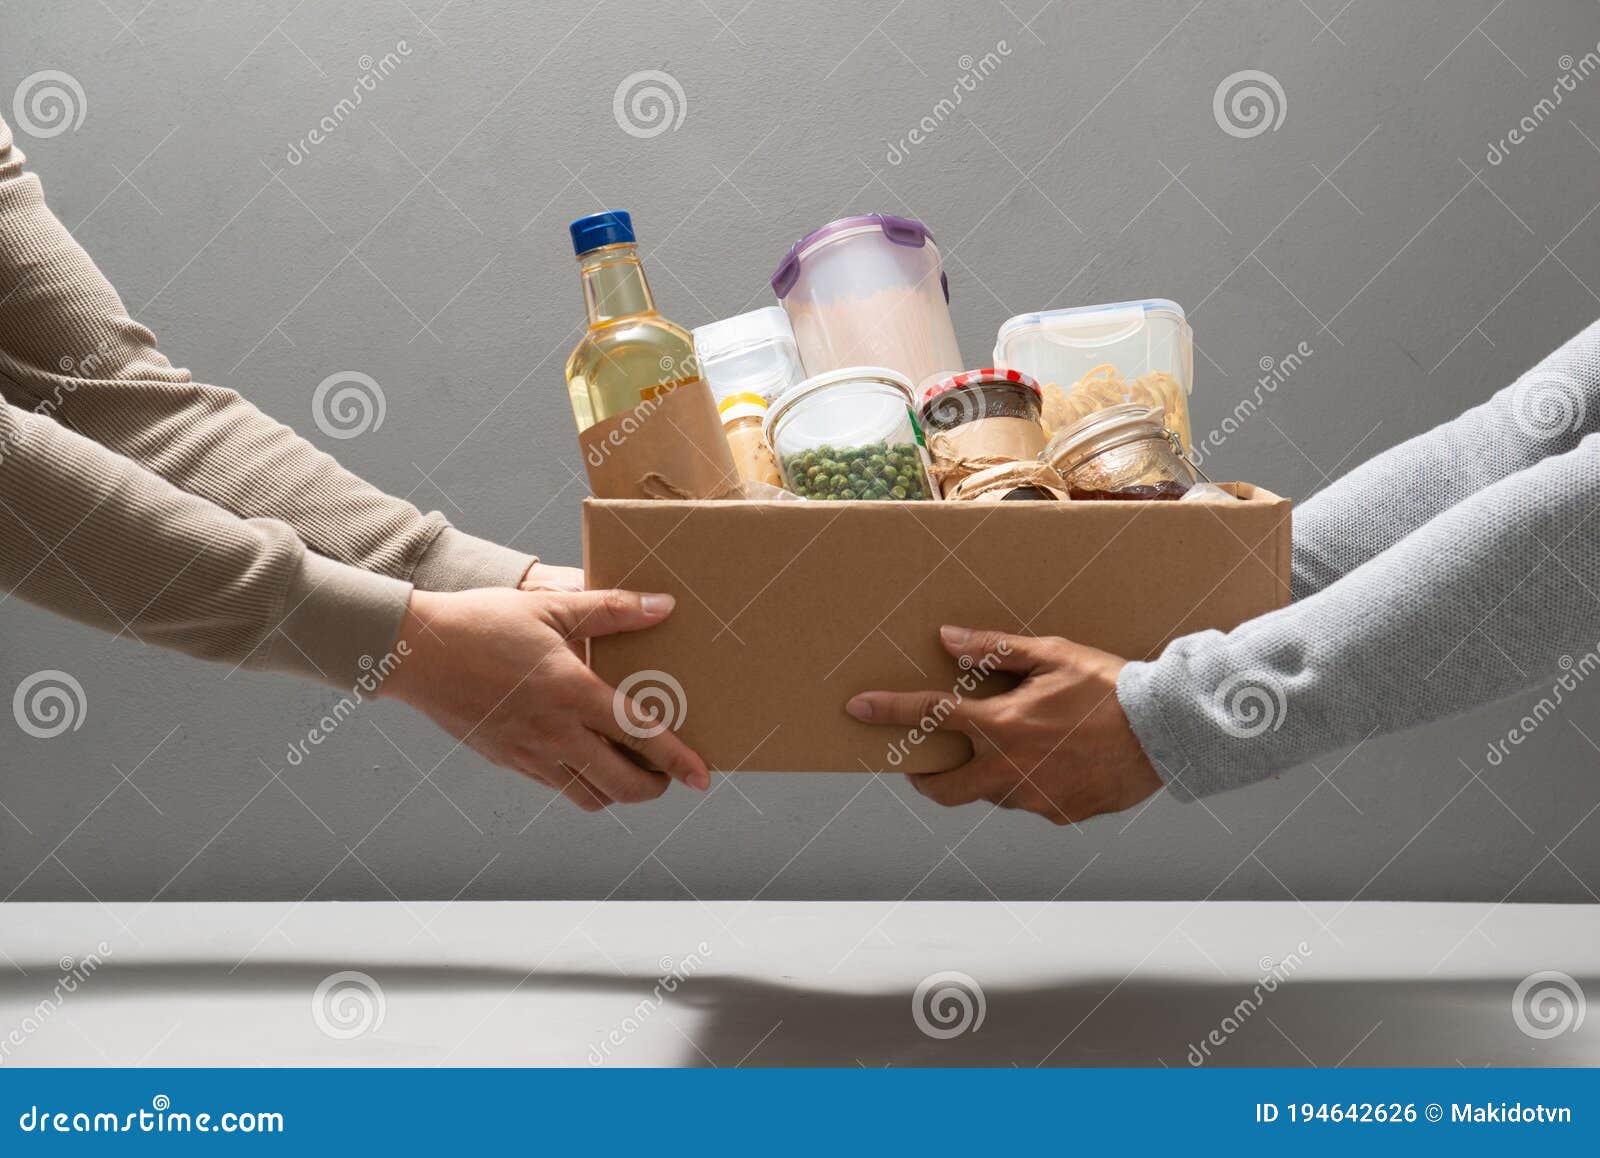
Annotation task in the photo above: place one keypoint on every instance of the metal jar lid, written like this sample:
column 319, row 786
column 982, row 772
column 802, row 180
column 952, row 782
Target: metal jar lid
column 1103, row 430
column 990, row 375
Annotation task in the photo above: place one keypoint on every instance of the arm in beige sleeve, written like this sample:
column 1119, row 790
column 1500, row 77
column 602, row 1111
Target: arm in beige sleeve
column 69, row 347
column 96, row 537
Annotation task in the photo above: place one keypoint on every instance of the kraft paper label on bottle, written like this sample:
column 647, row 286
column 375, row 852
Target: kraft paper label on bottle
column 670, row 446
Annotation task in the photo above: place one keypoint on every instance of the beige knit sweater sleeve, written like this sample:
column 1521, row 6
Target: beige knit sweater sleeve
column 98, row 538
column 189, row 511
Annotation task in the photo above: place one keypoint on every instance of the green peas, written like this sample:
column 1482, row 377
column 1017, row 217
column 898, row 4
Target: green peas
column 879, row 471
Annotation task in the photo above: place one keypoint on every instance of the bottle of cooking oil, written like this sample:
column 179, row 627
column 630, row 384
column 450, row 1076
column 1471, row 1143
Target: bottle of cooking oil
column 646, row 420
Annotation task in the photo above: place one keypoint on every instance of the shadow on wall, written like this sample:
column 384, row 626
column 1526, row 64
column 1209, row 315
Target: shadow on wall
column 1082, row 1021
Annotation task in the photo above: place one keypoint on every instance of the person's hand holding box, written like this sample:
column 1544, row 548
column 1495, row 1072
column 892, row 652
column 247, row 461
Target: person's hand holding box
column 498, row 670
column 1057, row 744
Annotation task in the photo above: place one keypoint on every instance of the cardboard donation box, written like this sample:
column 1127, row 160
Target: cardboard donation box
column 787, row 609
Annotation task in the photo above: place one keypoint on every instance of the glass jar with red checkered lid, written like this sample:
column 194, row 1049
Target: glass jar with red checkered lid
column 979, row 418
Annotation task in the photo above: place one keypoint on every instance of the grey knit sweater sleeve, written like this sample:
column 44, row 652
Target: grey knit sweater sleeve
column 1452, row 570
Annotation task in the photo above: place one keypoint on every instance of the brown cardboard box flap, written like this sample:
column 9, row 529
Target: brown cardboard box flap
column 787, row 609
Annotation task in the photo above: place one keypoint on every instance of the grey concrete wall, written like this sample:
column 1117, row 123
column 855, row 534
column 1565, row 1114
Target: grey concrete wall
column 422, row 243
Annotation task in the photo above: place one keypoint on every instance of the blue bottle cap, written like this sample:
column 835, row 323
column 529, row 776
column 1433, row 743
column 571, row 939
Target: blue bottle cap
column 611, row 227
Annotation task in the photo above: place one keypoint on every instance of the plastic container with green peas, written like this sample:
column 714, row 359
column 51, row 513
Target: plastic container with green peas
column 850, row 434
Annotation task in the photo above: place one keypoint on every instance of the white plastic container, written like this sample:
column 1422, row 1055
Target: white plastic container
column 1091, row 357
column 753, row 353
column 870, row 291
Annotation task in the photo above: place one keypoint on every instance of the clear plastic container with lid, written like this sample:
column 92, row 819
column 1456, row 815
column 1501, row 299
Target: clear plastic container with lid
column 869, row 290
column 1122, row 452
column 1090, row 357
column 752, row 353
column 850, row 434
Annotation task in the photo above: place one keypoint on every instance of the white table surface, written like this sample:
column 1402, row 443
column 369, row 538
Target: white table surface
column 787, row 983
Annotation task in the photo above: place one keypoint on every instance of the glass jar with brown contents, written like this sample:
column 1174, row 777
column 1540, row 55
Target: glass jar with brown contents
column 1010, row 482
column 742, row 416
column 1122, row 452
column 979, row 419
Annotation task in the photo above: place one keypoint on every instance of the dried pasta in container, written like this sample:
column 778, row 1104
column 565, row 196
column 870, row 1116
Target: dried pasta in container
column 1090, row 357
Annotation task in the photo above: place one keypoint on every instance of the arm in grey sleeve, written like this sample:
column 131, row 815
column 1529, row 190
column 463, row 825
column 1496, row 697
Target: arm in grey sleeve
column 1480, row 602
column 1374, row 506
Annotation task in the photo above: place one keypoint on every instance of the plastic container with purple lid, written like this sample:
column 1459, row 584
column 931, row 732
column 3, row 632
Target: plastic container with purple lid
column 869, row 290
